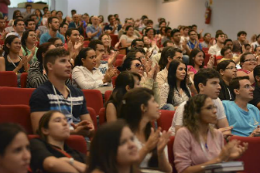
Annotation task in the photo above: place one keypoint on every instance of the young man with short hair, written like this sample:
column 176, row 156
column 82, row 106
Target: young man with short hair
column 28, row 11
column 54, row 24
column 206, row 82
column 18, row 28
column 76, row 23
column 185, row 36
column 227, row 54
column 243, row 116
column 137, row 43
column 220, row 38
column 194, row 41
column 56, row 95
column 241, row 40
column 168, row 31
column 30, row 24
column 176, row 38
column 112, row 27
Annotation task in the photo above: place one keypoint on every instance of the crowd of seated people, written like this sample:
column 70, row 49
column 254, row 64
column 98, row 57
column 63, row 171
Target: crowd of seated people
column 210, row 85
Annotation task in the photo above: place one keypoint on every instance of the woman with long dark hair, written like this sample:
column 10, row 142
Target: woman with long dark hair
column 11, row 61
column 14, row 149
column 28, row 46
column 113, row 149
column 176, row 90
column 50, row 152
column 125, row 81
column 139, row 109
column 38, row 14
column 196, row 60
column 198, row 144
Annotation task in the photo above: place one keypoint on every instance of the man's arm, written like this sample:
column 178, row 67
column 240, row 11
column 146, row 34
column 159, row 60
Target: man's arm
column 35, row 119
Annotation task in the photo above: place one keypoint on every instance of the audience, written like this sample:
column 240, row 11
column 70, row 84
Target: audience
column 197, row 144
column 243, row 116
column 122, row 153
column 256, row 98
column 227, row 70
column 14, row 149
column 241, row 40
column 139, row 108
column 28, row 46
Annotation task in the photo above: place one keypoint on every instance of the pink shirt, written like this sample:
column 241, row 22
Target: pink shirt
column 188, row 151
column 4, row 6
column 192, row 69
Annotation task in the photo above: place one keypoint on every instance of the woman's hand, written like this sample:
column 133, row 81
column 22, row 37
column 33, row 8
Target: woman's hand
column 163, row 141
column 211, row 61
column 83, row 128
column 111, row 72
column 153, row 139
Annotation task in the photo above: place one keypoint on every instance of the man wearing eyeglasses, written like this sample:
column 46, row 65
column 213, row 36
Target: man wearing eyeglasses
column 194, row 41
column 227, row 54
column 244, row 117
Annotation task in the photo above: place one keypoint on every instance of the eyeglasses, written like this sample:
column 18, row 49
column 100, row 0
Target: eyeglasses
column 231, row 68
column 138, row 65
column 250, row 60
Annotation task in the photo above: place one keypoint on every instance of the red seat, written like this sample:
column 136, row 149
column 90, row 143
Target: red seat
column 2, row 42
column 120, row 56
column 86, row 43
column 170, row 154
column 15, row 96
column 102, row 116
column 19, row 114
column 114, row 81
column 23, row 80
column 165, row 119
column 118, row 62
column 93, row 116
column 205, row 50
column 206, row 60
column 107, row 95
column 75, row 142
column 94, row 99
column 8, row 78
column 114, row 39
column 250, row 157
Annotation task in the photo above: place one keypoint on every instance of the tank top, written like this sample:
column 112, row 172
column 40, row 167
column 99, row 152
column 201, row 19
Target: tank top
column 9, row 66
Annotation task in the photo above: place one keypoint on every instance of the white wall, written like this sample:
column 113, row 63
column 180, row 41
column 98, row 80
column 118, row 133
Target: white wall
column 84, row 6
column 62, row 5
column 129, row 8
column 229, row 15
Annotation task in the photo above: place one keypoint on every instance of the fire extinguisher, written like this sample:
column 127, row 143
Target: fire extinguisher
column 208, row 15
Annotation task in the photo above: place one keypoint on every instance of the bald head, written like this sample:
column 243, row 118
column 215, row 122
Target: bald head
column 95, row 20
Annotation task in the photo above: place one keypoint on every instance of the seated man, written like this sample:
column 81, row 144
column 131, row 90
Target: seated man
column 94, row 31
column 206, row 82
column 194, row 41
column 243, row 116
column 18, row 28
column 30, row 24
column 56, row 95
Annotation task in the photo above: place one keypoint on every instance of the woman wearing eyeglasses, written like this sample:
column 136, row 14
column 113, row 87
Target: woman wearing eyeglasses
column 227, row 69
column 85, row 75
column 248, row 62
column 198, row 144
column 57, row 42
column 28, row 46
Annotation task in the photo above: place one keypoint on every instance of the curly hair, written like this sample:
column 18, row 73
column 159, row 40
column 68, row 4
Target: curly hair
column 191, row 114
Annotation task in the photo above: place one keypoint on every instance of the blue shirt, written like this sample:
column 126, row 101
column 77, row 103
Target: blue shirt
column 191, row 45
column 44, row 99
column 92, row 29
column 46, row 36
column 109, row 27
column 243, row 122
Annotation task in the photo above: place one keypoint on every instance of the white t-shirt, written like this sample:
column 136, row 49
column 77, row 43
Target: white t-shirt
column 213, row 50
column 178, row 116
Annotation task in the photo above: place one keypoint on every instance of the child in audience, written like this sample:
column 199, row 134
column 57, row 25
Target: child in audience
column 50, row 153
column 14, row 149
column 139, row 109
column 125, row 81
column 113, row 149
column 198, row 144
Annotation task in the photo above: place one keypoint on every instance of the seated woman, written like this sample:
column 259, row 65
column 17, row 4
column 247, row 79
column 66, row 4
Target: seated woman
column 248, row 62
column 122, row 152
column 196, row 61
column 207, row 41
column 227, row 54
column 176, row 90
column 15, row 14
column 106, row 40
column 85, row 75
column 139, row 109
column 150, row 42
column 28, row 46
column 147, row 78
column 198, row 144
column 14, row 149
column 36, row 74
column 128, row 37
column 125, row 81
column 11, row 61
column 50, row 153
column 227, row 69
column 38, row 14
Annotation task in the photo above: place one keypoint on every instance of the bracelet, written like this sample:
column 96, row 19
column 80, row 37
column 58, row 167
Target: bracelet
column 71, row 161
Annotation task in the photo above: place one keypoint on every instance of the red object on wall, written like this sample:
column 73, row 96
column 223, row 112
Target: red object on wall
column 208, row 15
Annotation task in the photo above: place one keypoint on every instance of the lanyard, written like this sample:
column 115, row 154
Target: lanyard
column 12, row 60
column 203, row 147
column 59, row 100
column 229, row 94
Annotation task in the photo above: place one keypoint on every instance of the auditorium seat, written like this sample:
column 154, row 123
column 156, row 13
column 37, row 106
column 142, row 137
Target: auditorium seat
column 93, row 116
column 19, row 114
column 23, row 80
column 170, row 154
column 86, row 43
column 8, row 78
column 120, row 56
column 114, row 39
column 114, row 81
column 250, row 157
column 118, row 62
column 107, row 95
column 15, row 96
column 93, row 98
column 75, row 142
column 165, row 119
column 102, row 116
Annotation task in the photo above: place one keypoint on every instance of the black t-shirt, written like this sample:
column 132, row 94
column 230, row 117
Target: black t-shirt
column 40, row 150
column 225, row 93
